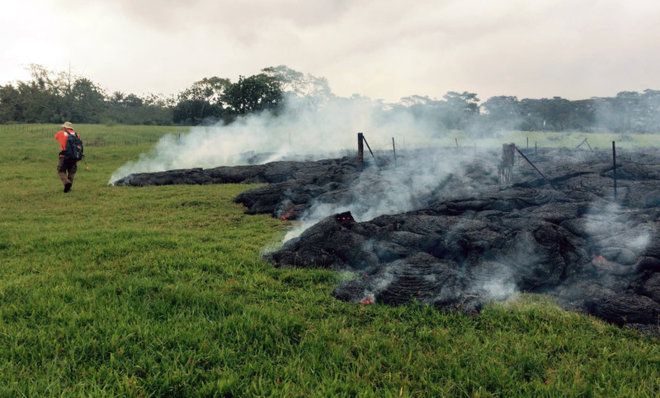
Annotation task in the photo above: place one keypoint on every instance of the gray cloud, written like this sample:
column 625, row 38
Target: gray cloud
column 386, row 49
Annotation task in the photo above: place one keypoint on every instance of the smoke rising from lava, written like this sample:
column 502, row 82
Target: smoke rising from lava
column 303, row 129
column 418, row 178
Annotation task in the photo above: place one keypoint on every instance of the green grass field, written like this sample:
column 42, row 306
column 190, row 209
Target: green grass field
column 597, row 141
column 161, row 291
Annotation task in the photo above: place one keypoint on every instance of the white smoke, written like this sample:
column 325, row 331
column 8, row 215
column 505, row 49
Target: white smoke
column 319, row 126
column 304, row 128
column 496, row 280
column 616, row 236
column 498, row 288
column 406, row 187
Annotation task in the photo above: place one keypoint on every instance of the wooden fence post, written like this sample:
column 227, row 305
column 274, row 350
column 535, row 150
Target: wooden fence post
column 614, row 166
column 360, row 156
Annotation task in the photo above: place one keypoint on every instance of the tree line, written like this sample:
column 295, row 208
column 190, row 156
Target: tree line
column 50, row 97
column 627, row 112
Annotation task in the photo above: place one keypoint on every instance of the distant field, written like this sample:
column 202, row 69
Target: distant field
column 572, row 139
column 543, row 139
column 98, row 134
column 161, row 291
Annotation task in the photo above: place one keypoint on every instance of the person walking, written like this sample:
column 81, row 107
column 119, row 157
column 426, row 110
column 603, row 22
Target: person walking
column 71, row 151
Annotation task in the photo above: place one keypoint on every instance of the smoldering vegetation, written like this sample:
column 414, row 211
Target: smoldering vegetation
column 438, row 227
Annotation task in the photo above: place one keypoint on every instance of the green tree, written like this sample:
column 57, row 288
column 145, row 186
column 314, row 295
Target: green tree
column 459, row 109
column 41, row 98
column 501, row 112
column 132, row 109
column 88, row 101
column 9, row 104
column 298, row 83
column 209, row 89
column 253, row 94
column 202, row 101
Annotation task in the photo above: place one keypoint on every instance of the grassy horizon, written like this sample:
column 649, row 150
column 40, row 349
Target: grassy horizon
column 162, row 291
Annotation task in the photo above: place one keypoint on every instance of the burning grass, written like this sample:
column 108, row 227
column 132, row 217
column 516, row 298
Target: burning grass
column 162, row 291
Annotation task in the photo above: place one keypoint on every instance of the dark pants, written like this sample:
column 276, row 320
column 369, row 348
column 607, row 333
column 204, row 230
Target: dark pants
column 66, row 169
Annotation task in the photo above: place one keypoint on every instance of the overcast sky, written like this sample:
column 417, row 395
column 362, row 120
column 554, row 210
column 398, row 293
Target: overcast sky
column 380, row 48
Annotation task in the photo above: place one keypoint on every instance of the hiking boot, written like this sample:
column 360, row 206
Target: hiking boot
column 67, row 187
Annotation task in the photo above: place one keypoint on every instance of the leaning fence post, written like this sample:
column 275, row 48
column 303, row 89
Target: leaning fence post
column 614, row 166
column 360, row 155
column 364, row 139
column 529, row 161
column 456, row 141
column 394, row 151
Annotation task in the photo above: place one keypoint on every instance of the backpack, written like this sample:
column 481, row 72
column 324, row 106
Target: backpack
column 74, row 147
